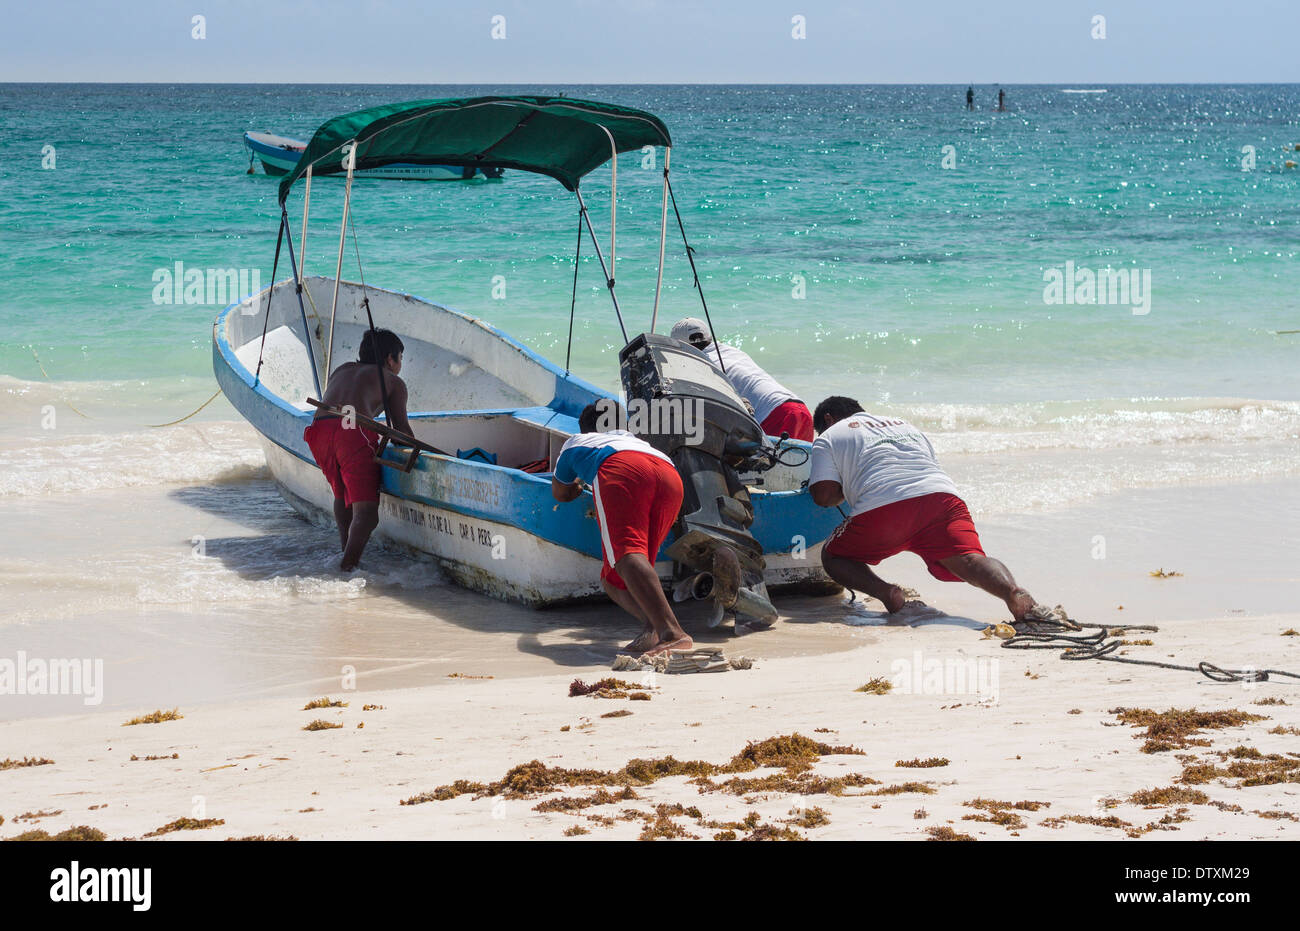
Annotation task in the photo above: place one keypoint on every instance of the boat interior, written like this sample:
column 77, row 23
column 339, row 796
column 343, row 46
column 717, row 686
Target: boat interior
column 471, row 393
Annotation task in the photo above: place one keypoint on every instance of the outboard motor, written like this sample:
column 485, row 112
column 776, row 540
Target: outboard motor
column 683, row 406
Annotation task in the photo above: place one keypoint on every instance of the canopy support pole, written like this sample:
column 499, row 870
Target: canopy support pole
column 663, row 236
column 338, row 269
column 302, row 240
column 609, row 281
column 573, row 305
column 613, row 202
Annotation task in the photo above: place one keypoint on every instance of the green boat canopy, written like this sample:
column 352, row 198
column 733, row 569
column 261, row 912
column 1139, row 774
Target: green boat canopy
column 556, row 136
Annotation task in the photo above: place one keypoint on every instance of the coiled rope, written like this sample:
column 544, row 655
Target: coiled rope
column 1060, row 635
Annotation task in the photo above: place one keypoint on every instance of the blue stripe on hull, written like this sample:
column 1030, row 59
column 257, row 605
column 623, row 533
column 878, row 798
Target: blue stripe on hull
column 498, row 493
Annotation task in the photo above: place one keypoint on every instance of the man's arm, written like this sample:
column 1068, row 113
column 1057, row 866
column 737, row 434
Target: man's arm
column 565, row 491
column 397, row 405
column 564, row 488
column 826, row 494
column 823, row 478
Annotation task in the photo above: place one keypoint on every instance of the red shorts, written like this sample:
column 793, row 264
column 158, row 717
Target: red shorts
column 637, row 500
column 792, row 417
column 934, row 527
column 347, row 457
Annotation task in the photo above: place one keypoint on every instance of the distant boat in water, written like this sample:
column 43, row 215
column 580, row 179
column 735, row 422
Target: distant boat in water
column 279, row 156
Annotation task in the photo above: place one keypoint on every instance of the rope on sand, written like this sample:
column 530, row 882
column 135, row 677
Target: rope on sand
column 1051, row 635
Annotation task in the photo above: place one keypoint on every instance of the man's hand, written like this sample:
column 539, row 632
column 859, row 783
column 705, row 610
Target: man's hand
column 565, row 491
column 826, row 494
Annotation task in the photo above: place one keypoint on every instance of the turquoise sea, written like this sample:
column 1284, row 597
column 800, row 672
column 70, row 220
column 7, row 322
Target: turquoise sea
column 922, row 284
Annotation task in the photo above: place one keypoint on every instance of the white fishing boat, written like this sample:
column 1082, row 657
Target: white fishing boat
column 489, row 415
column 279, row 155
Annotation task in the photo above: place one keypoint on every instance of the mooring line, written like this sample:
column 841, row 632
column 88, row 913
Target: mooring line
column 172, row 423
column 51, row 381
column 1050, row 635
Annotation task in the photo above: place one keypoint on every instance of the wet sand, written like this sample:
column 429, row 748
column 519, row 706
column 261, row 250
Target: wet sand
column 221, row 593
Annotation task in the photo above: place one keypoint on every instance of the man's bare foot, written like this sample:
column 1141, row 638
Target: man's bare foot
column 1020, row 603
column 681, row 645
column 895, row 599
column 645, row 641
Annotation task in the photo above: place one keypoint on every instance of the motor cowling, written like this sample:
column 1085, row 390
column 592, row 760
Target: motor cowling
column 682, row 405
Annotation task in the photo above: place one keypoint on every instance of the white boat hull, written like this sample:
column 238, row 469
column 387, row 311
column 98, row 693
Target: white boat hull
column 494, row 529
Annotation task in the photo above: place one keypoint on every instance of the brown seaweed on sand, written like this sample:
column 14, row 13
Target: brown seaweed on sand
column 876, row 686
column 579, row 802
column 319, row 725
column 1008, row 819
column 186, row 824
column 928, row 763
column 605, row 688
column 1175, row 729
column 1109, row 821
column 1171, row 795
column 26, row 761
column 76, row 832
column 810, row 818
column 943, row 832
column 794, row 752
column 155, row 717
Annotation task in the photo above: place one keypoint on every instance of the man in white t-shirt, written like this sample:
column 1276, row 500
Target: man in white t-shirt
column 637, row 493
column 899, row 500
column 775, row 407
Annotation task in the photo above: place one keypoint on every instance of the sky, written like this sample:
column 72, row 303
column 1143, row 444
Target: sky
column 650, row 41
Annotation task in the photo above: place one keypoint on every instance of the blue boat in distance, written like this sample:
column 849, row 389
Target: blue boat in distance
column 279, row 155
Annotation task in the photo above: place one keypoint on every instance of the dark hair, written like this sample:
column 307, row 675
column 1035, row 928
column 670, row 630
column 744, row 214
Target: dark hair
column 388, row 342
column 606, row 409
column 838, row 407
column 587, row 419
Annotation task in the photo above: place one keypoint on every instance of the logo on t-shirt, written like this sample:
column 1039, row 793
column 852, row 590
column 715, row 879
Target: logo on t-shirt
column 878, row 422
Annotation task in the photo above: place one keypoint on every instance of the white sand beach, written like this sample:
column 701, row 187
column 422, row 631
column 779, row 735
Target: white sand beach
column 470, row 689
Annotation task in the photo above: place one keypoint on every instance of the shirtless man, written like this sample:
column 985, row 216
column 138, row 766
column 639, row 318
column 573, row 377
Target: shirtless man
column 899, row 500
column 344, row 451
column 637, row 493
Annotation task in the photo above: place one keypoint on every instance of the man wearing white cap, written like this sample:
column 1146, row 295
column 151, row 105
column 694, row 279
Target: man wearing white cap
column 775, row 407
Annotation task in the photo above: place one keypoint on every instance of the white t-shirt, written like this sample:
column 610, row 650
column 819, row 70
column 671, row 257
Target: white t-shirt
column 877, row 461
column 753, row 384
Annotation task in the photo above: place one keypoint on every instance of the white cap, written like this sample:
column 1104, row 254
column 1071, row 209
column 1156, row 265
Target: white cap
column 691, row 327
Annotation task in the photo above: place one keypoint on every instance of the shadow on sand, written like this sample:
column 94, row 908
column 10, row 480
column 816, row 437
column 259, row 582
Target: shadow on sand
column 283, row 544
